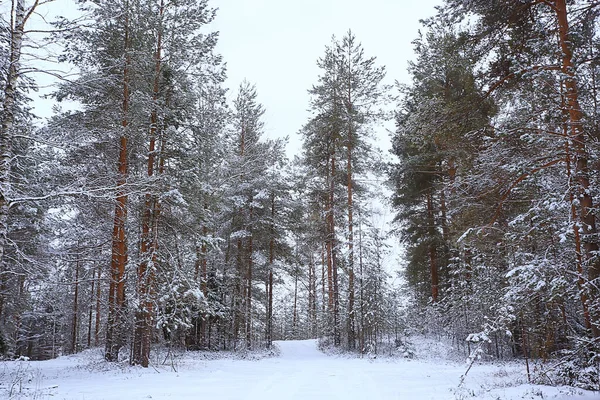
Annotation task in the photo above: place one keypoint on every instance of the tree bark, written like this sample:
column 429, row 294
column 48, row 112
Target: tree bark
column 91, row 309
column 75, row 325
column 116, row 297
column 148, row 240
column 361, row 333
column 578, row 142
column 432, row 248
column 249, row 289
column 269, row 335
column 328, row 239
column 295, row 309
column 351, row 323
column 576, row 234
column 9, row 109
column 349, row 147
column 323, row 279
column 98, row 309
column 332, row 249
column 312, row 295
column 203, row 262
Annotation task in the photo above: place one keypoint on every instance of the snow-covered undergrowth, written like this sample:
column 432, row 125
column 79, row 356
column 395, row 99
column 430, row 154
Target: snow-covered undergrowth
column 301, row 371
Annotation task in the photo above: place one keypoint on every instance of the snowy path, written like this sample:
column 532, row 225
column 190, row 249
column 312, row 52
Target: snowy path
column 301, row 372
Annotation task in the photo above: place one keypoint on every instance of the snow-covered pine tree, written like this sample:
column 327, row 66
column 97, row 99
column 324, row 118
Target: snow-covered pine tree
column 249, row 187
column 345, row 104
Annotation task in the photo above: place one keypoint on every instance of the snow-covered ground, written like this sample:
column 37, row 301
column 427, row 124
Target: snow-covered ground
column 300, row 372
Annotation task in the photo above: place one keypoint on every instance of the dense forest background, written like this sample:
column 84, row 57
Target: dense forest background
column 150, row 211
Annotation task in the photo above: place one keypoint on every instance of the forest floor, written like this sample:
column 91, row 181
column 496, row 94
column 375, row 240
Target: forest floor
column 301, row 371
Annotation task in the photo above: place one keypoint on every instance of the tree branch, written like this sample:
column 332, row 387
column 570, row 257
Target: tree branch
column 513, row 75
column 516, row 182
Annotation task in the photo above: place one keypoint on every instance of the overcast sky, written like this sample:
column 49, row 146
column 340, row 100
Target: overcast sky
column 276, row 43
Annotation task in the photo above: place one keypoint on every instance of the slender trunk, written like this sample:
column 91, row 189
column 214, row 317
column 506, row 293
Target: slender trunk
column 148, row 240
column 226, row 283
column 74, row 327
column 197, row 264
column 323, row 301
column 444, row 221
column 312, row 295
column 239, row 292
column 328, row 239
column 116, row 297
column 270, row 338
column 9, row 110
column 199, row 325
column 361, row 281
column 334, row 267
column 204, row 261
column 270, row 277
column 432, row 248
column 349, row 145
column 449, row 251
column 452, row 173
column 295, row 312
column 91, row 309
column 249, row 289
column 201, row 267
column 525, row 344
column 578, row 141
column 578, row 253
column 98, row 304
column 351, row 318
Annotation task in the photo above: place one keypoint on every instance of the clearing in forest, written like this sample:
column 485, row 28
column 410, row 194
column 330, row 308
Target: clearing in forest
column 301, row 371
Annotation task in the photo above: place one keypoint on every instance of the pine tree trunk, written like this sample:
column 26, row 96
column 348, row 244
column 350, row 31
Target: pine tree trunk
column 432, row 248
column 269, row 335
column 578, row 250
column 332, row 244
column 361, row 333
column 148, row 240
column 75, row 325
column 116, row 297
column 98, row 305
column 578, row 140
column 328, row 239
column 312, row 285
column 576, row 233
column 204, row 261
column 295, row 309
column 239, row 294
column 91, row 309
column 249, row 289
column 197, row 263
column 351, row 318
column 349, row 146
column 323, row 280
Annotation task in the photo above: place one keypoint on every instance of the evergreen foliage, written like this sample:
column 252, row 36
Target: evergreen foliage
column 155, row 212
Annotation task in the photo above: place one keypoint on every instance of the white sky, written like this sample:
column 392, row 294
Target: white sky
column 276, row 43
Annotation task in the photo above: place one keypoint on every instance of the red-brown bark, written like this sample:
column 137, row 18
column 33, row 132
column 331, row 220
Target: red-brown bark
column 578, row 143
column 116, row 297
column 148, row 240
column 433, row 267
